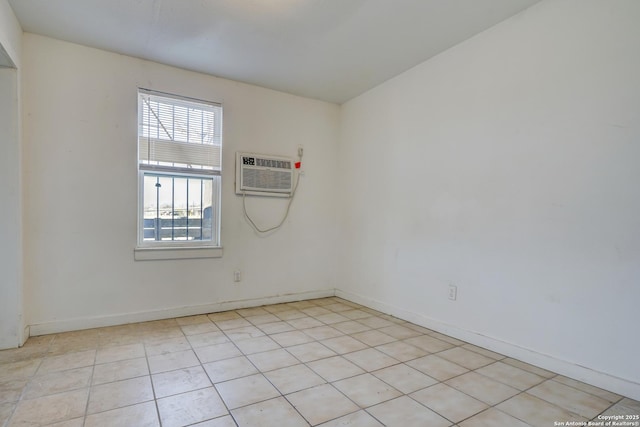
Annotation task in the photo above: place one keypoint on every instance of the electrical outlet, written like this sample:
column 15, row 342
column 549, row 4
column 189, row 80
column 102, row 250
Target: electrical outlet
column 453, row 292
column 300, row 150
column 237, row 276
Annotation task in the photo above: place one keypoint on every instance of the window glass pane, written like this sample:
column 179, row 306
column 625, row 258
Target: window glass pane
column 178, row 208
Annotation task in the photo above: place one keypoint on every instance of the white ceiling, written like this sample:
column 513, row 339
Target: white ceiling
column 326, row 49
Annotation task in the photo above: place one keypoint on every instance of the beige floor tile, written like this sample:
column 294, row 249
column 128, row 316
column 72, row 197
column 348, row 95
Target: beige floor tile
column 6, row 409
column 257, row 345
column 482, row 388
column 429, row 343
column 335, row 368
column 371, row 359
column 21, row 354
column 437, row 367
column 355, row 314
column 569, row 398
column 351, row 327
column 10, row 391
column 244, row 333
column 312, row 332
column 160, row 335
column 322, row 332
column 287, row 339
column 170, row 345
column 275, row 327
column 120, row 393
column 50, row 409
column 394, row 319
column 529, row 368
column 290, row 315
column 192, row 320
column 299, row 305
column 344, row 344
column 399, row 332
column 406, row 412
column 213, row 353
column 252, row 311
column 598, row 392
column 293, row 378
column 441, row 337
column 310, row 351
column 338, row 307
column 156, row 325
column 67, row 361
column 366, row 390
column 423, row 330
column 224, row 421
column 22, row 369
column 467, row 358
column 332, row 318
column 536, row 411
column 74, row 342
column 510, row 375
column 245, row 391
column 173, row 361
column 315, row 311
column 209, row 338
column 229, row 369
column 321, row 403
column 304, row 322
column 493, row 418
column 57, row 382
column 449, row 402
column 199, row 328
column 180, row 381
column 401, row 351
column 223, row 315
column 404, row 378
column 144, row 414
column 122, row 370
column 262, row 319
column 123, row 352
column 356, row 419
column 483, row 351
column 624, row 407
column 118, row 340
column 271, row 413
column 76, row 422
column 274, row 359
column 226, row 325
column 277, row 308
column 376, row 322
column 373, row 337
column 191, row 407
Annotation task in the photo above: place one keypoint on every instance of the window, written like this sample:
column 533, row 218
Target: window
column 179, row 167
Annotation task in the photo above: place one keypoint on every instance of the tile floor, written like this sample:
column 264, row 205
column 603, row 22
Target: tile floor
column 325, row 362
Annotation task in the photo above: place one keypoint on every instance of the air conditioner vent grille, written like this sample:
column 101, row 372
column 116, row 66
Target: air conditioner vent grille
column 264, row 175
column 266, row 179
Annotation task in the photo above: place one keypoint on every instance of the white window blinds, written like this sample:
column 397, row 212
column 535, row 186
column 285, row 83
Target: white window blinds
column 178, row 135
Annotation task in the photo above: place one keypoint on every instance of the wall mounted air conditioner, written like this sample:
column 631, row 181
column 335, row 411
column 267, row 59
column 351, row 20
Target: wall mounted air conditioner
column 263, row 175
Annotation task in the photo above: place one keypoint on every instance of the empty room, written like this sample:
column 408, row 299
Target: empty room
column 287, row 213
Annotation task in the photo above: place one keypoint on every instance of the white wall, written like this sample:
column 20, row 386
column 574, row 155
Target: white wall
column 11, row 307
column 508, row 166
column 81, row 193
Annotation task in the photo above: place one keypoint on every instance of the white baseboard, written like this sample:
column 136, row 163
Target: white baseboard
column 167, row 313
column 581, row 373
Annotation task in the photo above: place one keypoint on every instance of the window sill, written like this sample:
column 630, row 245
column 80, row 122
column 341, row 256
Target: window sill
column 153, row 254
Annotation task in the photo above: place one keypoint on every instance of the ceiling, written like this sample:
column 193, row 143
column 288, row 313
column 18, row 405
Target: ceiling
column 331, row 50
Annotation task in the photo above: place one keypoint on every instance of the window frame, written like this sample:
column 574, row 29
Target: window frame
column 177, row 249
